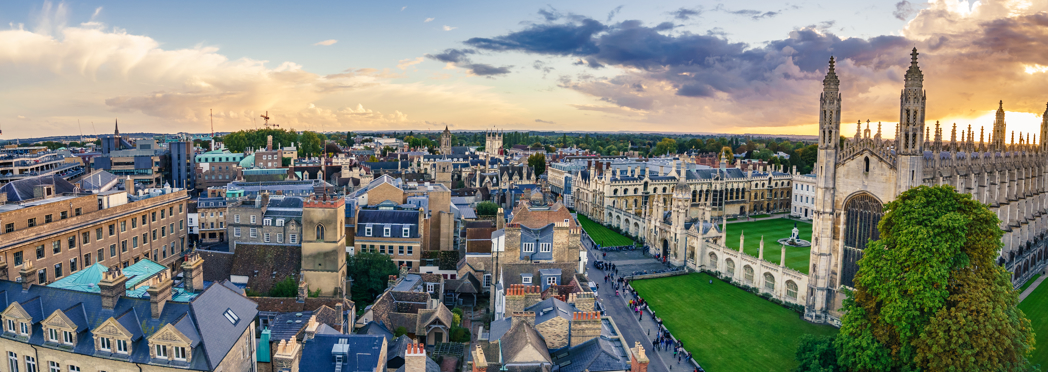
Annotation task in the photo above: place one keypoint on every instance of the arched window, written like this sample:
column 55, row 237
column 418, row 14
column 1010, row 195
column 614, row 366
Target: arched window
column 320, row 232
column 664, row 189
column 862, row 213
column 769, row 282
column 635, row 191
column 729, row 267
column 867, row 161
column 747, row 273
column 615, row 192
column 791, row 290
column 694, row 196
column 713, row 260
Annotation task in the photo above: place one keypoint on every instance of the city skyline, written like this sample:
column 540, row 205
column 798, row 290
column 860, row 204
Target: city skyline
column 707, row 67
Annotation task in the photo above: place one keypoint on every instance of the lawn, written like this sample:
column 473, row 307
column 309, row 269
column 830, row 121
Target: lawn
column 603, row 235
column 797, row 258
column 1029, row 282
column 1036, row 308
column 727, row 329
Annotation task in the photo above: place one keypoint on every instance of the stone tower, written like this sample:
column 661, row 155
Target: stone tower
column 825, row 184
column 681, row 204
column 909, row 141
column 445, row 142
column 324, row 245
column 999, row 129
column 493, row 142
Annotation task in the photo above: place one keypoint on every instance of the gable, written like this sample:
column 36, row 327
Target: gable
column 111, row 328
column 15, row 311
column 58, row 319
column 170, row 335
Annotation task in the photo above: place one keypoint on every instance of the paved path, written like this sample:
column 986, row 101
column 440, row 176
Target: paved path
column 1032, row 287
column 632, row 330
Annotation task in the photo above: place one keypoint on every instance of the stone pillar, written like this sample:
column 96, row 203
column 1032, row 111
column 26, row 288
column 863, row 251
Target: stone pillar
column 159, row 292
column 193, row 272
column 27, row 275
column 112, row 287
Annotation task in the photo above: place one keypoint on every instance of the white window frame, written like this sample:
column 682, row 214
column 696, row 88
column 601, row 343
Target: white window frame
column 551, row 280
column 525, row 280
column 406, row 232
column 267, row 222
column 121, row 346
column 105, row 344
column 545, row 247
column 160, row 350
column 253, row 219
column 527, row 247
column 280, row 237
column 367, row 230
column 236, row 218
column 67, row 337
column 252, row 232
column 12, row 361
column 180, row 353
column 265, row 237
column 30, row 364
column 52, row 335
column 73, row 368
column 430, row 287
column 386, row 231
column 280, row 222
column 292, row 238
column 11, row 326
column 236, row 232
column 53, row 366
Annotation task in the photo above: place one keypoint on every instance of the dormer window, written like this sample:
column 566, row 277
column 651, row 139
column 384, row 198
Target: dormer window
column 527, row 247
column 407, row 232
column 280, row 222
column 161, row 351
column 67, row 337
column 267, row 222
column 180, row 353
column 52, row 335
column 105, row 344
column 11, row 326
column 545, row 247
column 24, row 328
column 121, row 346
column 386, row 231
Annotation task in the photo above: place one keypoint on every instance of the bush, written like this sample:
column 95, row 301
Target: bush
column 460, row 334
column 284, row 288
column 400, row 331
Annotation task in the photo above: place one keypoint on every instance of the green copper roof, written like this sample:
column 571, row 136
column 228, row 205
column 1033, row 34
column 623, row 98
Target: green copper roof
column 249, row 161
column 86, row 280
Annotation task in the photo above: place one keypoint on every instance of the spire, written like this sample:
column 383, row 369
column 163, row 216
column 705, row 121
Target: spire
column 831, row 82
column 116, row 130
column 914, row 76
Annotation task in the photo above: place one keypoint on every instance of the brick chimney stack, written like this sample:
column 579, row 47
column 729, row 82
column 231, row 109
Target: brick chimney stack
column 159, row 293
column 523, row 316
column 27, row 275
column 638, row 361
column 287, row 355
column 480, row 362
column 415, row 358
column 585, row 325
column 193, row 273
column 112, row 287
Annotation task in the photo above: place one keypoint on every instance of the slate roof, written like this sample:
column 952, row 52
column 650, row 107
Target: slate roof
column 523, row 344
column 551, row 308
column 201, row 320
column 431, row 366
column 511, row 272
column 288, row 325
column 377, row 329
column 22, row 190
column 97, row 180
column 596, row 355
column 537, row 218
column 395, row 219
column 465, row 284
column 217, row 265
column 362, row 353
column 290, row 304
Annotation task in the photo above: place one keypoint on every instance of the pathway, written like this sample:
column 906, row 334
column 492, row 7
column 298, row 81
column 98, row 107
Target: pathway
column 1032, row 287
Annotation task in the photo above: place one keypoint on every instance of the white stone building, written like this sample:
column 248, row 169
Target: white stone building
column 803, row 196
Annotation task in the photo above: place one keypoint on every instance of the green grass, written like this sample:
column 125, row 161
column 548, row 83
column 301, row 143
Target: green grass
column 603, row 235
column 727, row 329
column 797, row 258
column 1029, row 282
column 1036, row 308
column 760, row 216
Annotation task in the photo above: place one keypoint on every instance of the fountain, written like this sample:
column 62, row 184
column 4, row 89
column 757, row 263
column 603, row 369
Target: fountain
column 794, row 240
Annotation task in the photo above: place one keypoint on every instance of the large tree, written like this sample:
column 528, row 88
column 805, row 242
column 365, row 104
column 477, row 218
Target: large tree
column 928, row 295
column 537, row 162
column 370, row 272
column 312, row 145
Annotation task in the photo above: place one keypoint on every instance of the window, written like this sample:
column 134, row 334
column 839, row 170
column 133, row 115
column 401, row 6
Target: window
column 123, row 246
column 58, row 270
column 409, row 250
column 430, row 287
column 134, row 242
column 56, row 247
column 134, row 223
column 552, row 280
column 112, row 230
column 41, row 276
column 48, row 219
column 163, row 231
column 292, row 238
column 98, row 233
column 18, row 258
column 112, row 250
column 121, row 346
column 54, row 367
column 39, row 251
column 85, row 238
column 367, row 231
column 67, row 337
column 253, row 219
column 152, row 217
column 180, row 353
column 265, row 237
column 382, row 249
column 280, row 222
column 63, row 215
column 9, row 228
column 12, row 361
column 87, row 259
column 320, row 232
column 231, row 316
column 73, row 368
column 72, row 264
column 52, row 335
column 161, row 351
column 30, row 364
column 123, row 226
column 267, row 222
column 545, row 247
column 487, row 280
column 180, row 209
column 385, row 231
column 280, row 238
column 162, row 213
column 31, row 222
column 236, row 232
column 11, row 326
column 406, row 232
column 400, row 250
column 526, row 280
column 236, row 218
column 252, row 232
column 23, row 327
column 143, row 220
column 527, row 247
column 154, row 234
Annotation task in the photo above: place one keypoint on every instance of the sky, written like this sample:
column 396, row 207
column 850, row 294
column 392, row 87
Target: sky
column 744, row 66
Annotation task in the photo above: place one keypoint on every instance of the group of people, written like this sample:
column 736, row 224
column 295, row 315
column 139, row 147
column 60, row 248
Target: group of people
column 663, row 340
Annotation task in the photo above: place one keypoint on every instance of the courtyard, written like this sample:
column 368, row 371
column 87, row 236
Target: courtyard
column 727, row 329
column 603, row 235
column 797, row 258
column 1035, row 306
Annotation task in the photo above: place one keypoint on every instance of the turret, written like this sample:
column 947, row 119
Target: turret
column 909, row 144
column 999, row 128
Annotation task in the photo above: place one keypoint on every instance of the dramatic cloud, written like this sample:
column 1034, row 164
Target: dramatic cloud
column 971, row 58
column 460, row 58
column 328, row 42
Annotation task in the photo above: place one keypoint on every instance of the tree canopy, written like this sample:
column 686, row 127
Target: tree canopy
column 486, row 208
column 538, row 162
column 370, row 272
column 256, row 138
column 928, row 295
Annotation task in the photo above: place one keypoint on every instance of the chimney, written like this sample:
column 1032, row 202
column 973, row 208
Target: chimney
column 43, row 191
column 112, row 287
column 269, row 143
column 415, row 358
column 311, row 328
column 638, row 361
column 342, row 313
column 583, row 301
column 480, row 362
column 585, row 326
column 193, row 273
column 159, row 292
column 27, row 275
column 287, row 355
column 532, row 295
column 129, row 185
column 514, row 298
column 303, row 290
column 523, row 316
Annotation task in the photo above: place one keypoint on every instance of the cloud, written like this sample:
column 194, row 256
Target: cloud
column 460, row 58
column 98, row 11
column 449, row 28
column 544, row 121
column 613, row 12
column 685, row 14
column 903, row 10
column 753, row 14
column 971, row 58
column 327, row 42
column 402, row 8
column 542, row 66
column 428, row 20
column 549, row 15
column 405, row 63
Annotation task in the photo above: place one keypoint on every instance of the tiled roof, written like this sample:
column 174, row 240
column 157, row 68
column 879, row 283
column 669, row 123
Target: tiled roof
column 272, row 263
column 539, row 218
column 22, row 190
